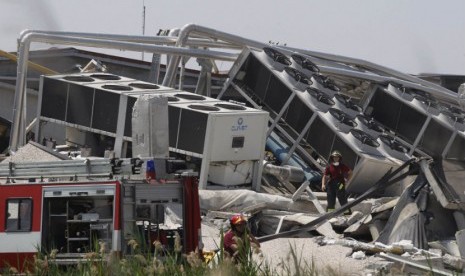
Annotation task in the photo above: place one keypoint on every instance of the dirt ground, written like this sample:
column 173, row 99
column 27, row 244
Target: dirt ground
column 281, row 255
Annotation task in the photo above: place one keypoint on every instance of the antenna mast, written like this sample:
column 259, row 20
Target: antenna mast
column 143, row 22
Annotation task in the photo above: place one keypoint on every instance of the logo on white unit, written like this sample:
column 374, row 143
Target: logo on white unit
column 239, row 126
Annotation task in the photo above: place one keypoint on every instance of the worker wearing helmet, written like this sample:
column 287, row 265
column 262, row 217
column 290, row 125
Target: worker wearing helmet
column 334, row 179
column 239, row 239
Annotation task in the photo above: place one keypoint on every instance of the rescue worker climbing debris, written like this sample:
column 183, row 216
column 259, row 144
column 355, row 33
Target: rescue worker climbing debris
column 238, row 241
column 334, row 180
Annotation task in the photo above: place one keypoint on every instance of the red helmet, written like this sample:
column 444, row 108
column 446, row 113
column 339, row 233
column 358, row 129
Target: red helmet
column 237, row 219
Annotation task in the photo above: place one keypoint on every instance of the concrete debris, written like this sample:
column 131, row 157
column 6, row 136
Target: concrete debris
column 448, row 246
column 366, row 247
column 358, row 255
column 454, row 263
column 375, row 227
column 402, row 254
column 237, row 200
column 288, row 221
column 34, row 152
column 359, row 227
column 370, row 217
column 386, row 206
column 460, row 237
column 418, row 267
column 354, row 217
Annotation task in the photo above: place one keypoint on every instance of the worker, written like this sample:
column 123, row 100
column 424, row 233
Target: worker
column 335, row 177
column 233, row 241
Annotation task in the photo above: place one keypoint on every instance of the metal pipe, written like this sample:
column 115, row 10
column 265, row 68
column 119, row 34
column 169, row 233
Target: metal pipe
column 23, row 56
column 183, row 38
column 280, row 151
column 16, row 136
column 288, row 173
column 131, row 46
column 169, row 40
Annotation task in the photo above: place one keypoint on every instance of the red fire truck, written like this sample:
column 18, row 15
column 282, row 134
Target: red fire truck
column 75, row 206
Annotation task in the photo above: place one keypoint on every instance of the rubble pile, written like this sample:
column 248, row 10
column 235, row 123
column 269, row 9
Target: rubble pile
column 411, row 233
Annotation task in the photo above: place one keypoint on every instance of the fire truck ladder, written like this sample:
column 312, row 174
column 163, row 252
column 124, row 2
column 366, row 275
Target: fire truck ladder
column 71, row 168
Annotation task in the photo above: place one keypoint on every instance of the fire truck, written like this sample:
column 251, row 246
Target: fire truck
column 74, row 207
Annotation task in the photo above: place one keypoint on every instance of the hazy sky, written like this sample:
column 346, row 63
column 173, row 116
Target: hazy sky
column 412, row 36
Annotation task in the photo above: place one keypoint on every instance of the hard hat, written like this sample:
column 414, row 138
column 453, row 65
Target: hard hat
column 237, row 219
column 336, row 153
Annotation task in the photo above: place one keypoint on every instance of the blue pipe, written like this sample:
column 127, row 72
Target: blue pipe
column 280, row 150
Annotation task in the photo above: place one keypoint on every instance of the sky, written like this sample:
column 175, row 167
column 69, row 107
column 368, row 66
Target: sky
column 411, row 36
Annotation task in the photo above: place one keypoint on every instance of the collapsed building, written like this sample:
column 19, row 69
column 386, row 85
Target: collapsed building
column 295, row 104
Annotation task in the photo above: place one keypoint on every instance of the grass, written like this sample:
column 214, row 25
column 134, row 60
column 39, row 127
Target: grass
column 142, row 261
column 160, row 262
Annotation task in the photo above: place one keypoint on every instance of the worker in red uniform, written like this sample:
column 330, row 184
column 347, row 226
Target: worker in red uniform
column 334, row 180
column 238, row 240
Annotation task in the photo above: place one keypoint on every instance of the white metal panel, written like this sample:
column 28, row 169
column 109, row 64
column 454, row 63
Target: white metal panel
column 231, row 173
column 368, row 171
column 19, row 242
column 229, row 126
column 150, row 127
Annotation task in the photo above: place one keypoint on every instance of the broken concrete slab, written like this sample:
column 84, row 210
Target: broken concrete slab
column 448, row 246
column 359, row 227
column 460, row 237
column 237, row 200
column 407, row 265
column 291, row 220
column 375, row 227
column 386, row 206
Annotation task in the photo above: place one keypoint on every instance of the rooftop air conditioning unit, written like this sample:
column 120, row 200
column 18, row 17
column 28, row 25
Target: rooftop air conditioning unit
column 369, row 125
column 347, row 105
column 325, row 83
column 319, row 100
column 452, row 116
column 456, row 150
column 397, row 114
column 399, row 91
column 304, row 64
column 341, row 120
column 360, row 152
column 393, row 147
column 298, row 79
column 223, row 135
column 273, row 58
